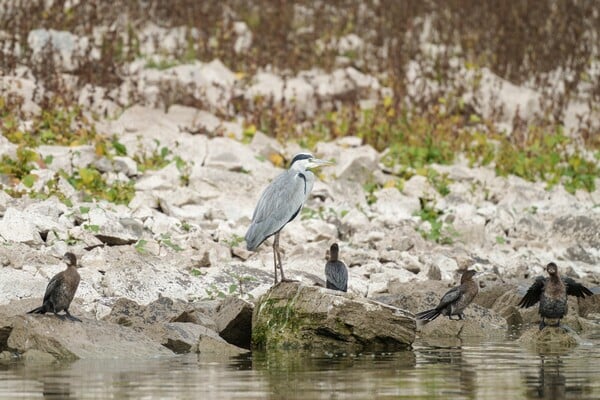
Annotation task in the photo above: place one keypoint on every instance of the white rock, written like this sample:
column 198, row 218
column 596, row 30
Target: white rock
column 166, row 178
column 66, row 47
column 392, row 205
column 17, row 226
column 266, row 85
column 243, row 42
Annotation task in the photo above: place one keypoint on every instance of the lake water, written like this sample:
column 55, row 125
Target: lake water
column 481, row 370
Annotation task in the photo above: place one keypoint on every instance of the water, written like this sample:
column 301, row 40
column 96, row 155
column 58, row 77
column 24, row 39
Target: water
column 488, row 370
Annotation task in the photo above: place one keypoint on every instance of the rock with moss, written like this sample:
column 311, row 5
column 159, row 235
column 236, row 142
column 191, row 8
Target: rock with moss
column 551, row 337
column 295, row 316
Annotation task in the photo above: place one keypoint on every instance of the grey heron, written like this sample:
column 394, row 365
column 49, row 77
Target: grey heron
column 552, row 294
column 61, row 290
column 455, row 300
column 336, row 272
column 280, row 202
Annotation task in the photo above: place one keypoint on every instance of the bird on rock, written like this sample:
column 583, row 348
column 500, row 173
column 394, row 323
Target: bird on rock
column 455, row 300
column 552, row 292
column 61, row 290
column 280, row 203
column 336, row 272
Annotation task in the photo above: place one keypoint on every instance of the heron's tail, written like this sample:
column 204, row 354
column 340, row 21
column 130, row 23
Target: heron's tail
column 428, row 315
column 39, row 310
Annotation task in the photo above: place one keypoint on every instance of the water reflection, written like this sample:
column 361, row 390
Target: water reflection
column 443, row 369
column 551, row 383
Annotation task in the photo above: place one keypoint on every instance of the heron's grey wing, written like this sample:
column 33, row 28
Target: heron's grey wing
column 533, row 293
column 337, row 273
column 54, row 282
column 278, row 204
column 449, row 297
column 575, row 288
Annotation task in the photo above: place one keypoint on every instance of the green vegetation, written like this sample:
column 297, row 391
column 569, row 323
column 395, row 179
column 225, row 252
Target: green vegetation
column 439, row 232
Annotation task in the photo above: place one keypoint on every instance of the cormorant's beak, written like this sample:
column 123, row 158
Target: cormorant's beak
column 317, row 162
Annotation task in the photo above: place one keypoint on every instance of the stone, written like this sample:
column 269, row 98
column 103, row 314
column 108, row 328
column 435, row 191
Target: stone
column 210, row 343
column 16, row 226
column 391, row 205
column 292, row 315
column 180, row 337
column 68, row 340
column 65, row 47
column 112, row 230
column 549, row 339
column 233, row 318
column 129, row 313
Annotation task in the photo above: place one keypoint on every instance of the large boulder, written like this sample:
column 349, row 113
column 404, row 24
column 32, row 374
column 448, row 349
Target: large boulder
column 292, row 315
column 234, row 321
column 67, row 340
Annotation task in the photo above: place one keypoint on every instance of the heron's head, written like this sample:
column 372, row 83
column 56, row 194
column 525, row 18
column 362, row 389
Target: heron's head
column 551, row 268
column 70, row 259
column 304, row 161
column 467, row 275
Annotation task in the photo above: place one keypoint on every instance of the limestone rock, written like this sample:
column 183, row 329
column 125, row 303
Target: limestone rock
column 234, row 321
column 393, row 206
column 292, row 315
column 180, row 337
column 67, row 340
column 15, row 226
column 549, row 338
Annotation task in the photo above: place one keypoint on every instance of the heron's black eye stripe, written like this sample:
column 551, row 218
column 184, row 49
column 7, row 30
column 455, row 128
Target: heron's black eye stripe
column 301, row 175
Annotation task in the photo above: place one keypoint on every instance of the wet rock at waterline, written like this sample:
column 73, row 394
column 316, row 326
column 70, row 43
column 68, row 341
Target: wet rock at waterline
column 68, row 340
column 294, row 316
column 550, row 337
column 234, row 321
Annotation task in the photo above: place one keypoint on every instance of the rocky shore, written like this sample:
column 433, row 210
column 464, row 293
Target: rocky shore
column 157, row 221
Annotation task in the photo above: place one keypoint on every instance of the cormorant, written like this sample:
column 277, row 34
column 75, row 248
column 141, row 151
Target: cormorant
column 336, row 272
column 552, row 293
column 61, row 290
column 455, row 300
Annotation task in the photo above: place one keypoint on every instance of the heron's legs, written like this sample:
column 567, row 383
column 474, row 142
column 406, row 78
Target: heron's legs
column 275, row 254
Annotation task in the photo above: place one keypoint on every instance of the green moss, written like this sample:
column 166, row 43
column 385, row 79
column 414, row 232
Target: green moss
column 279, row 329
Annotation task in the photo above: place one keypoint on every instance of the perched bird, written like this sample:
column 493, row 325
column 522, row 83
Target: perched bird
column 61, row 290
column 455, row 300
column 336, row 272
column 280, row 202
column 552, row 294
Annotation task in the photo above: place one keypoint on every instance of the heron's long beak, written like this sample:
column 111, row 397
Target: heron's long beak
column 317, row 162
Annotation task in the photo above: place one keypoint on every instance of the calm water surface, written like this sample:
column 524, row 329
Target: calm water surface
column 484, row 370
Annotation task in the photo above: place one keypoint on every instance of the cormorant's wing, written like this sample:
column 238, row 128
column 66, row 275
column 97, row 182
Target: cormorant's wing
column 450, row 297
column 533, row 293
column 575, row 288
column 54, row 282
column 279, row 203
column 336, row 273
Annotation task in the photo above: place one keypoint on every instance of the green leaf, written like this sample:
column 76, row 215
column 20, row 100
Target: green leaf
column 29, row 180
column 84, row 210
column 119, row 148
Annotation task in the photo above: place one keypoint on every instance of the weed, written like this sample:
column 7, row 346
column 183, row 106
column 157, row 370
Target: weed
column 439, row 232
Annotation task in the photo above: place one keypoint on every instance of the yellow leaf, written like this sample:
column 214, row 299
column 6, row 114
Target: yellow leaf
column 276, row 159
column 389, row 184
